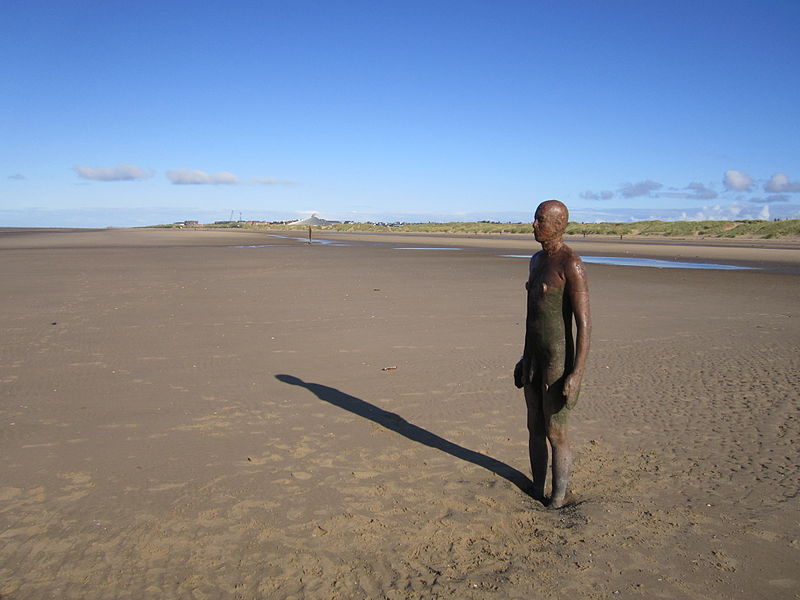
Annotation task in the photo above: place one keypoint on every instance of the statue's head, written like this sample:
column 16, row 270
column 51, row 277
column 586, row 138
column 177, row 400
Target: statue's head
column 550, row 220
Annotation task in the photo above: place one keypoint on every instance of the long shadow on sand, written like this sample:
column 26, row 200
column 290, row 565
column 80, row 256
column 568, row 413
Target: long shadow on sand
column 398, row 424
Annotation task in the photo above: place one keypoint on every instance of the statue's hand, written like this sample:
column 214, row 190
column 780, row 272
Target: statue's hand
column 519, row 373
column 572, row 385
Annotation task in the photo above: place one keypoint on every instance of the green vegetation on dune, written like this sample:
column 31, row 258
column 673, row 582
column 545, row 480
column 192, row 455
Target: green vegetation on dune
column 714, row 229
column 789, row 228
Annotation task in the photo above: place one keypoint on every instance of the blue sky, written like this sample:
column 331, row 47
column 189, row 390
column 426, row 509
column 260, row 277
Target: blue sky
column 124, row 114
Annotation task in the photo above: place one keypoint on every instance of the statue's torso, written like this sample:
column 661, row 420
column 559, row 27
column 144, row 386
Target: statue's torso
column 549, row 318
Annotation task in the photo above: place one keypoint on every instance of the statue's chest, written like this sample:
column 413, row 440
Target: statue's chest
column 544, row 282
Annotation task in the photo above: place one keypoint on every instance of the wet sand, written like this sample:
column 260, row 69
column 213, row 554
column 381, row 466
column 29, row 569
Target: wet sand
column 231, row 414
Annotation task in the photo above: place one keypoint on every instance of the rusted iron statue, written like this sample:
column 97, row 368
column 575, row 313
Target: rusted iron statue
column 553, row 363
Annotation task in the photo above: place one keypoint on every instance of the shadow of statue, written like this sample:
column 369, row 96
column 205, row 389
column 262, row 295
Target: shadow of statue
column 398, row 424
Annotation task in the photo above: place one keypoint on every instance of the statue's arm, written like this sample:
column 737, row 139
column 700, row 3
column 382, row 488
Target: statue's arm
column 522, row 370
column 578, row 290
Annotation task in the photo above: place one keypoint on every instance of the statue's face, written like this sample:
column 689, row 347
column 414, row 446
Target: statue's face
column 547, row 224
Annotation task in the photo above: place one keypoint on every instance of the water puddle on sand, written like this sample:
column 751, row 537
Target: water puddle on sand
column 305, row 240
column 622, row 261
column 427, row 248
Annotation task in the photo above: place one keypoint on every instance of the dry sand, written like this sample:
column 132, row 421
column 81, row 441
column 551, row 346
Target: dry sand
column 184, row 416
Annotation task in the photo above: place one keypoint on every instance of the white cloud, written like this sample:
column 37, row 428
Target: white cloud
column 643, row 188
column 225, row 177
column 121, row 172
column 196, row 177
column 737, row 180
column 764, row 214
column 727, row 212
column 779, row 183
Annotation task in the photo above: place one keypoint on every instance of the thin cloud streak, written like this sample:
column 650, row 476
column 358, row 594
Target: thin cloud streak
column 197, row 177
column 121, row 172
column 771, row 199
column 271, row 181
column 590, row 195
column 696, row 191
column 643, row 188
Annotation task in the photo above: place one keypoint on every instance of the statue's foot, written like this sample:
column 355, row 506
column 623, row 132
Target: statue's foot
column 561, row 502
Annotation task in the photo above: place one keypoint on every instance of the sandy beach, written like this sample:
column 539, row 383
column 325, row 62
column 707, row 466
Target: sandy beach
column 228, row 414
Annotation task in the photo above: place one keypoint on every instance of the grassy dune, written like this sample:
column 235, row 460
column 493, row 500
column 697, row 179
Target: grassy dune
column 789, row 228
column 718, row 229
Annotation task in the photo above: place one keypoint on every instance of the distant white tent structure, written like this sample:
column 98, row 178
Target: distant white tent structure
column 313, row 220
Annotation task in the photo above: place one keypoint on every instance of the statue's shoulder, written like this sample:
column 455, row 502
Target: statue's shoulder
column 573, row 265
column 568, row 254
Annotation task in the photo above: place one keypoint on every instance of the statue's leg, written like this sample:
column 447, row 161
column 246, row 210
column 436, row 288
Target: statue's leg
column 537, row 439
column 556, row 414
